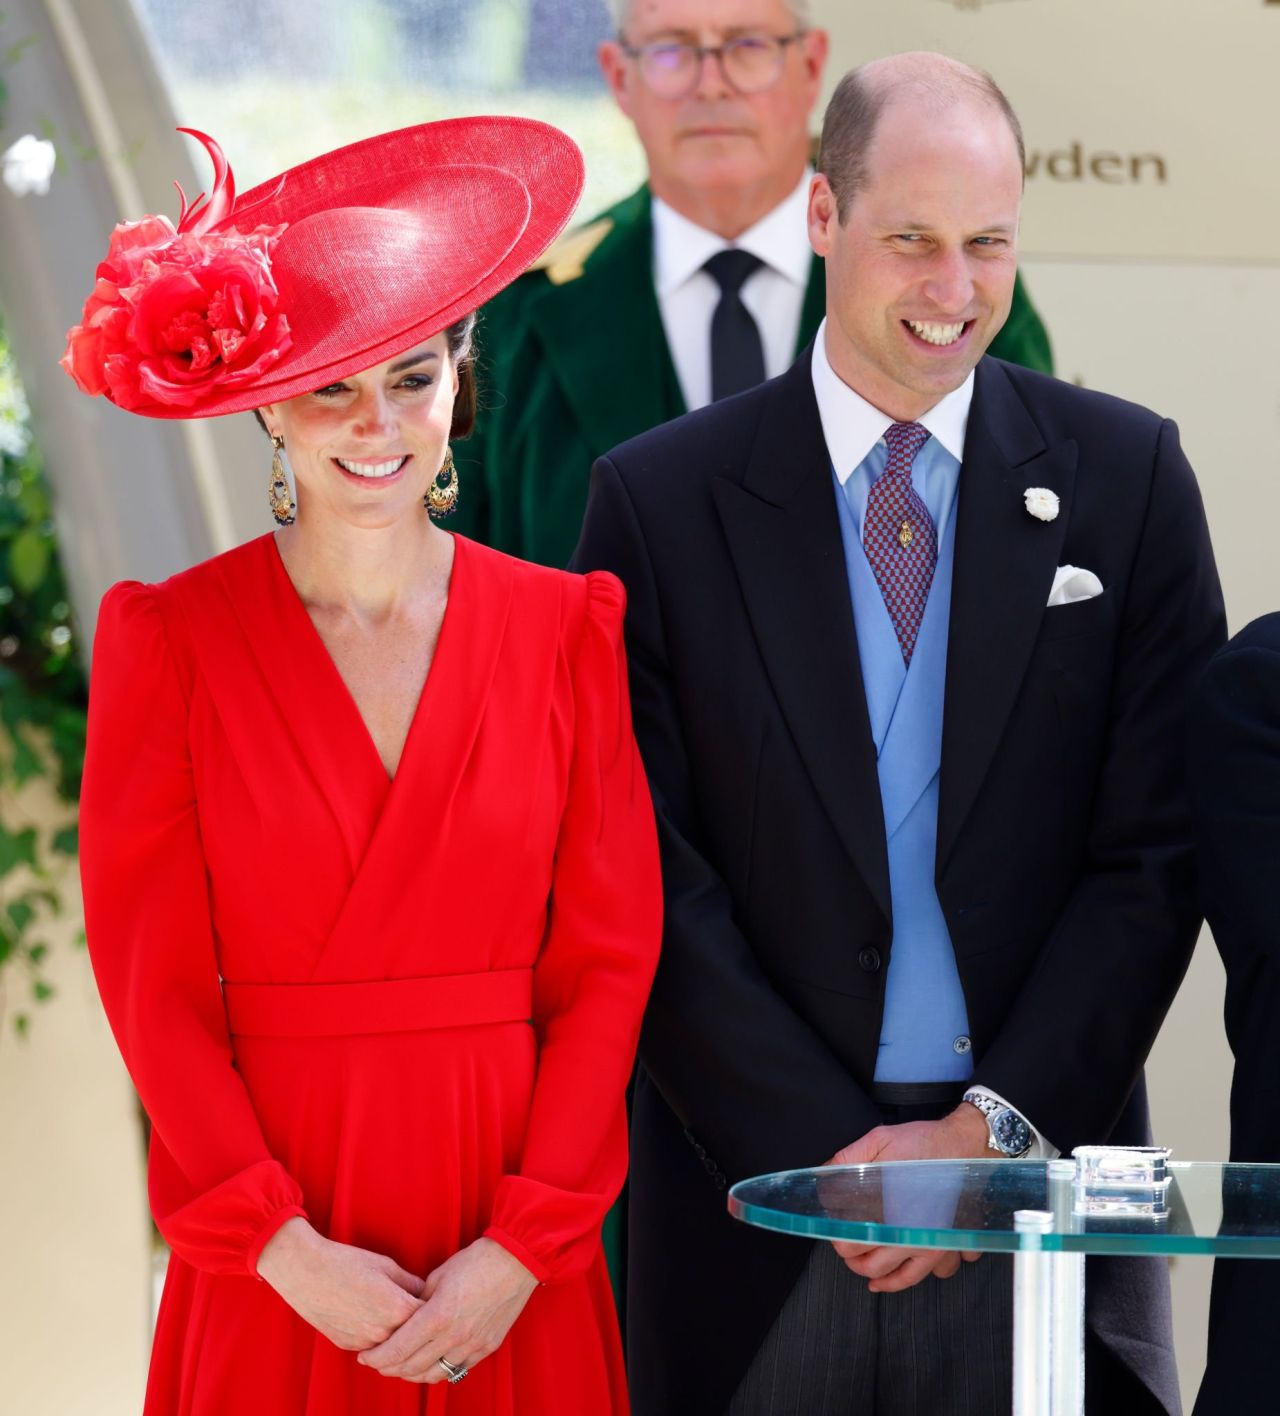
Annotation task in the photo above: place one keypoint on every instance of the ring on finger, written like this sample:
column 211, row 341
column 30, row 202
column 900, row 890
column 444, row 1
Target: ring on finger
column 453, row 1371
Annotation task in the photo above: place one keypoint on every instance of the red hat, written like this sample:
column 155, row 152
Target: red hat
column 339, row 264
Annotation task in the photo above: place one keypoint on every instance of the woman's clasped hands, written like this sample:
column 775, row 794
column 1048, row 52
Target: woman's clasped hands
column 401, row 1325
column 468, row 1306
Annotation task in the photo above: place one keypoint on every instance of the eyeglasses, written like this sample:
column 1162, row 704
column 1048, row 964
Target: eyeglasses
column 750, row 63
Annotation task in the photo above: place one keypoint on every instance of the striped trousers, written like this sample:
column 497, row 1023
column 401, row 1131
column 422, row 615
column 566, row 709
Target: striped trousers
column 942, row 1348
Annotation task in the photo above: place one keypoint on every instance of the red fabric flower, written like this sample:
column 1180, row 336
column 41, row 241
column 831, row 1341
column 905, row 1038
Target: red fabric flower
column 176, row 313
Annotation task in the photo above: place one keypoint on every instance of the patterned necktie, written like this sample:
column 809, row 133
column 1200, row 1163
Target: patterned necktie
column 899, row 537
column 737, row 355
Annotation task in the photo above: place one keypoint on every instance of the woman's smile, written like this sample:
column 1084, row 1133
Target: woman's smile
column 365, row 470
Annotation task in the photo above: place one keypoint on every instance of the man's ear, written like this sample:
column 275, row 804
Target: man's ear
column 613, row 65
column 814, row 45
column 823, row 214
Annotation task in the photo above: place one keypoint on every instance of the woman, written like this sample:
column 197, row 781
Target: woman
column 369, row 864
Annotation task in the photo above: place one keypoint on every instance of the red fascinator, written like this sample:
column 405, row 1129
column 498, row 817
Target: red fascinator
column 336, row 265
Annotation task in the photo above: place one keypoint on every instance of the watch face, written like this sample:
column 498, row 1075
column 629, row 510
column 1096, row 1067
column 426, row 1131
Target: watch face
column 1011, row 1132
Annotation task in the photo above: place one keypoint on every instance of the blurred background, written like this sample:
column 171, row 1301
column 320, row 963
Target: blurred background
column 1150, row 248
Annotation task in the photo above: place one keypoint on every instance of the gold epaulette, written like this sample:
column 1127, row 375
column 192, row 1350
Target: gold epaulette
column 566, row 259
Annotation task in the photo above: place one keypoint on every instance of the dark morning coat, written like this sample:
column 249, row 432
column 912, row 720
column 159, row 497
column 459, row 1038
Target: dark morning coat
column 1235, row 790
column 573, row 359
column 1064, row 863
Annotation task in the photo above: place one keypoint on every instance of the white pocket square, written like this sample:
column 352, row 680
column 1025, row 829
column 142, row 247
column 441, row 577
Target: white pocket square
column 1070, row 584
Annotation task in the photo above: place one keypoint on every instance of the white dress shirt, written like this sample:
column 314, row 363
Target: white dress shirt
column 688, row 295
column 853, row 429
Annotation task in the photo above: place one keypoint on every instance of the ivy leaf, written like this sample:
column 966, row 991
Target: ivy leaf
column 17, row 848
column 26, row 760
column 21, row 1023
column 42, row 687
column 34, row 502
column 29, row 557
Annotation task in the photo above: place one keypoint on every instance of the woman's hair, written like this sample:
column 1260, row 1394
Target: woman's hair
column 459, row 337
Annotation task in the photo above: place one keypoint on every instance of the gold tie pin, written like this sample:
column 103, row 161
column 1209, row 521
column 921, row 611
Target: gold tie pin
column 905, row 535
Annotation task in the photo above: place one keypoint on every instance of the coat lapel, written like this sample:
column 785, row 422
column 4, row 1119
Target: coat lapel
column 783, row 532
column 1004, row 567
column 625, row 384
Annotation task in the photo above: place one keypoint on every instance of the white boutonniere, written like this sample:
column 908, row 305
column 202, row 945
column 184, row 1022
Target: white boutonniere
column 1041, row 503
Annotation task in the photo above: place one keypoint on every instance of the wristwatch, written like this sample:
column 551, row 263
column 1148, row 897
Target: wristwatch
column 1010, row 1133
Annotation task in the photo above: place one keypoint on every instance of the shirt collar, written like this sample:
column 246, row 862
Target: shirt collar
column 780, row 239
column 852, row 426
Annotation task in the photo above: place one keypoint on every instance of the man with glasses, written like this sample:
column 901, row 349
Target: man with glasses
column 700, row 284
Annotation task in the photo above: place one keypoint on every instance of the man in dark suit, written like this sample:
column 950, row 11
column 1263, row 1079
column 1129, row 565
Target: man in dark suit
column 612, row 332
column 911, row 635
column 1235, row 794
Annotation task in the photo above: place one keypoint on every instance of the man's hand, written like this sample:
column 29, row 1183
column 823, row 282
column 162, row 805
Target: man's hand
column 471, row 1301
column 961, row 1134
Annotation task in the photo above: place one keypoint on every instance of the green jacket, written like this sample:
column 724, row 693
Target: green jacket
column 573, row 359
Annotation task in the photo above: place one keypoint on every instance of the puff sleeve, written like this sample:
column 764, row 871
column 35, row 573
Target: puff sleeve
column 593, row 973
column 216, row 1192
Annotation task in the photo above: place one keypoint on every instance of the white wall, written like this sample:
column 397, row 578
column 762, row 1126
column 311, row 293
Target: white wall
column 75, row 1239
column 1194, row 341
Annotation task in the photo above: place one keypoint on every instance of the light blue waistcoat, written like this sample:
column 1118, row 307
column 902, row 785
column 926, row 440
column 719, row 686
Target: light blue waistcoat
column 924, row 1034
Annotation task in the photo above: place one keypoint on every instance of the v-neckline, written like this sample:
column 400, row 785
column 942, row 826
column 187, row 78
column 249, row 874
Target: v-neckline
column 343, row 694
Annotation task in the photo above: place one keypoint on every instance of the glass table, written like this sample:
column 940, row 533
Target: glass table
column 1048, row 1214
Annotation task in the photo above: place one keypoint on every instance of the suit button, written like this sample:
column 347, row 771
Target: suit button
column 869, row 960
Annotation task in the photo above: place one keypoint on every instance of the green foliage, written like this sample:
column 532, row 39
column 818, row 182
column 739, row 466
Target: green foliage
column 10, row 52
column 42, row 699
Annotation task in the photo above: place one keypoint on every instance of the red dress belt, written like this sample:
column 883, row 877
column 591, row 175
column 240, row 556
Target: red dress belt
column 378, row 1006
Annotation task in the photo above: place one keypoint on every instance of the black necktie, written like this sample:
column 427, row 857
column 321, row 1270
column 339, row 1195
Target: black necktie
column 737, row 356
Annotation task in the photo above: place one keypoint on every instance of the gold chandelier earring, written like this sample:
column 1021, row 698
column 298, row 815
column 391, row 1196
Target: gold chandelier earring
column 441, row 498
column 282, row 503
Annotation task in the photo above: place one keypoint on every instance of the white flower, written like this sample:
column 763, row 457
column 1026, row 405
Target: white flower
column 1041, row 503
column 28, row 166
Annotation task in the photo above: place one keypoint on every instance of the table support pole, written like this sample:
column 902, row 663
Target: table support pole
column 1032, row 1317
column 1066, row 1361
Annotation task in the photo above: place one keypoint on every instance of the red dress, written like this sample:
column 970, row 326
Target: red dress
column 406, row 1009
